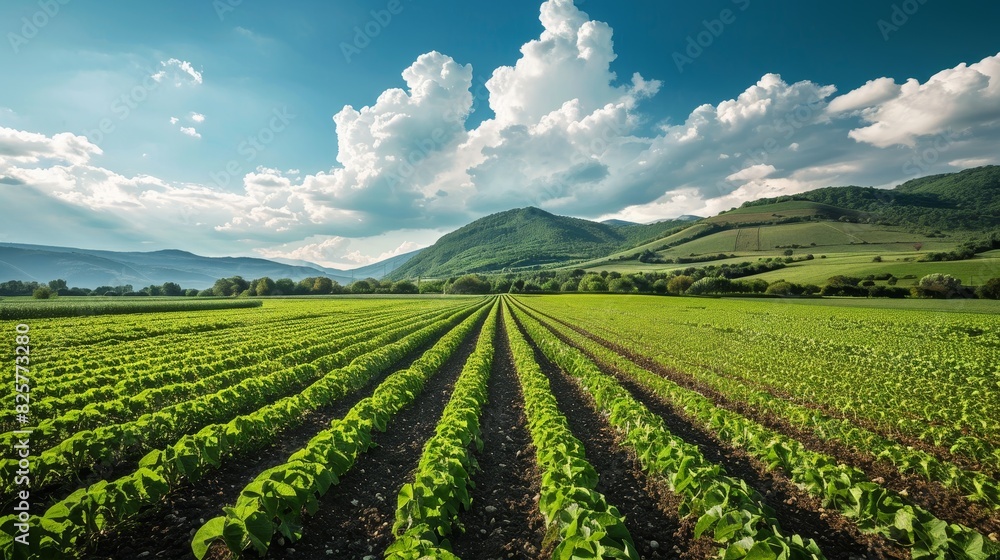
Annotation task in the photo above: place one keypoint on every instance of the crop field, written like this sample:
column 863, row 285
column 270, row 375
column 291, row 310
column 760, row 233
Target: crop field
column 571, row 426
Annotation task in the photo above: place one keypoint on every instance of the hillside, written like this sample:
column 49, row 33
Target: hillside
column 967, row 200
column 515, row 238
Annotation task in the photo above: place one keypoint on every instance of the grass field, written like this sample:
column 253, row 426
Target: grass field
column 408, row 428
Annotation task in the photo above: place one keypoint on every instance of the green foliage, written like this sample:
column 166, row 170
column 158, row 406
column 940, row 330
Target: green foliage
column 990, row 290
column 70, row 308
column 43, row 292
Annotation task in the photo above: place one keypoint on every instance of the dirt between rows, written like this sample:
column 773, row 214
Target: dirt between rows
column 165, row 532
column 355, row 517
column 650, row 511
column 795, row 510
column 945, row 503
column 504, row 521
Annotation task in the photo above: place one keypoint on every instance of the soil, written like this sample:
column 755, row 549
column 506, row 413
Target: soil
column 504, row 521
column 165, row 532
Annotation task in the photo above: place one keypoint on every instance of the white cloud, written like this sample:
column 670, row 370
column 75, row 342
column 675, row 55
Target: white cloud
column 179, row 72
column 197, row 117
column 22, row 147
column 872, row 93
column 566, row 137
column 956, row 99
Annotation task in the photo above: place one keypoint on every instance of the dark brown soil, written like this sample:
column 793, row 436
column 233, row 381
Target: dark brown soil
column 166, row 531
column 650, row 511
column 504, row 521
column 945, row 503
column 355, row 517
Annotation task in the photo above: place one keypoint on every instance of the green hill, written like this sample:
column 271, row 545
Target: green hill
column 515, row 238
column 967, row 200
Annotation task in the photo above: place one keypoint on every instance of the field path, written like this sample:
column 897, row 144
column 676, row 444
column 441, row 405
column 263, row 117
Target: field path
column 504, row 519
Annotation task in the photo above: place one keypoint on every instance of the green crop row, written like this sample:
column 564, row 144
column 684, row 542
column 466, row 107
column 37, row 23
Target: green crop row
column 427, row 509
column 133, row 396
column 729, row 509
column 65, row 527
column 105, row 444
column 844, row 488
column 581, row 523
column 976, row 486
column 885, row 369
column 275, row 501
column 39, row 310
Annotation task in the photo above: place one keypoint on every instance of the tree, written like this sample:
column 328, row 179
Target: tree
column 938, row 286
column 284, row 287
column 361, row 287
column 265, row 286
column 471, row 284
column 990, row 290
column 171, row 289
column 711, row 285
column 57, row 285
column 153, row 290
column 42, row 292
column 404, row 287
column 679, row 284
column 661, row 286
column 191, row 292
column 780, row 289
column 571, row 285
column 621, row 285
column 593, row 283
column 551, row 286
column 322, row 285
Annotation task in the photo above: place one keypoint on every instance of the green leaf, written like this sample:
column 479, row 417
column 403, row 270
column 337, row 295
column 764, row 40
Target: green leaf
column 208, row 534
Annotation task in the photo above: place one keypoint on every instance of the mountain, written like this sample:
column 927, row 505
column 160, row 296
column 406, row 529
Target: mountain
column 618, row 223
column 86, row 268
column 382, row 268
column 515, row 238
column 377, row 270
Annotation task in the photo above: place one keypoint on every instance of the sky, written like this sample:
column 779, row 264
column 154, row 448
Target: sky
column 345, row 133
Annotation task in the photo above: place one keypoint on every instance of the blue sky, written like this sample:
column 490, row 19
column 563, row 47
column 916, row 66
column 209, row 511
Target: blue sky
column 210, row 125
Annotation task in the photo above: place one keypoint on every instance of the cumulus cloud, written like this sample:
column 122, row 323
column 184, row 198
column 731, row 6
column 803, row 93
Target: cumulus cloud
column 179, row 72
column 872, row 93
column 568, row 135
column 958, row 99
column 22, row 147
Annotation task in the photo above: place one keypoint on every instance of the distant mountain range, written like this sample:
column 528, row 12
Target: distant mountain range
column 87, row 268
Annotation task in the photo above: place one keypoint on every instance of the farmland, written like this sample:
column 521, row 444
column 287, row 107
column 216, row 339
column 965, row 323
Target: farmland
column 575, row 426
